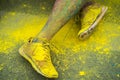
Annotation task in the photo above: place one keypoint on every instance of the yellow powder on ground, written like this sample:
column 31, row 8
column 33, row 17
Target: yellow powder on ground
column 1, row 66
column 118, row 75
column 30, row 25
column 27, row 26
column 82, row 73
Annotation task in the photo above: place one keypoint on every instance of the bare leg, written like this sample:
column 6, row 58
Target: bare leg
column 62, row 11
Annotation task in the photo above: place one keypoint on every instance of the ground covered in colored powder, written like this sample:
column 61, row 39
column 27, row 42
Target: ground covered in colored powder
column 96, row 58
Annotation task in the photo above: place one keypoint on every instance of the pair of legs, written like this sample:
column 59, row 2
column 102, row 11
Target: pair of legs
column 62, row 11
column 37, row 51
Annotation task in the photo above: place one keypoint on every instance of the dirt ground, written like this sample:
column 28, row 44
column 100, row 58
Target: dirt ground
column 96, row 58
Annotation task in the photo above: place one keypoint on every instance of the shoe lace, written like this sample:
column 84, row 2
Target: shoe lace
column 45, row 45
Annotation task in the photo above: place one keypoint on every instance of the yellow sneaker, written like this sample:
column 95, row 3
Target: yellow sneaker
column 38, row 54
column 91, row 17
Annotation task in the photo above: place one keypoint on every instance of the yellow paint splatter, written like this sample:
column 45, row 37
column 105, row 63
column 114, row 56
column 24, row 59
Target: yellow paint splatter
column 1, row 66
column 43, row 8
column 82, row 73
column 106, row 50
column 118, row 75
column 82, row 59
column 118, row 65
column 5, row 46
column 12, row 13
column 24, row 5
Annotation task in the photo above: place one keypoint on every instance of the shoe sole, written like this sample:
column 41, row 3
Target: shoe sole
column 86, row 32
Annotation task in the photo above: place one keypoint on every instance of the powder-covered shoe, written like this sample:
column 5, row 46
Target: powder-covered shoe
column 91, row 17
column 38, row 54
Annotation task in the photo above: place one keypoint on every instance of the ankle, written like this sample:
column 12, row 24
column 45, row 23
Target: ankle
column 43, row 40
